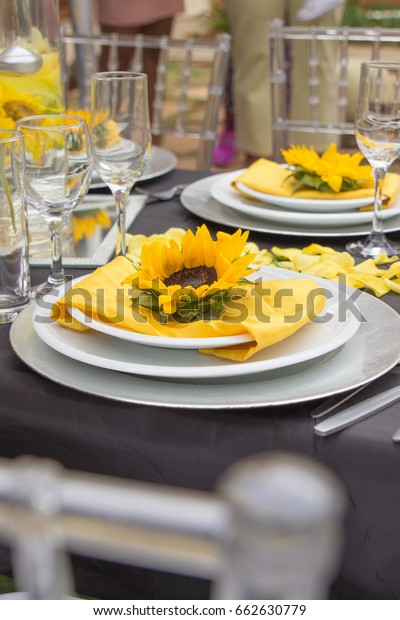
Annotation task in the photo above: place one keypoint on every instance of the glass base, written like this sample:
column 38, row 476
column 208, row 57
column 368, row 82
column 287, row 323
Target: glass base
column 39, row 291
column 10, row 306
column 373, row 246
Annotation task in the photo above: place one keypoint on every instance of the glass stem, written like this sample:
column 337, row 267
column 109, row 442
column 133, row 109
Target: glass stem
column 57, row 275
column 121, row 198
column 377, row 222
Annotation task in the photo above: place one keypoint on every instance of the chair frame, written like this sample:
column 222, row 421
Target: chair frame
column 218, row 47
column 235, row 537
column 278, row 35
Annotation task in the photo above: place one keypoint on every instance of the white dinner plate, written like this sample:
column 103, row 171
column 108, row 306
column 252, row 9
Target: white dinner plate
column 372, row 352
column 197, row 199
column 155, row 341
column 325, row 334
column 309, row 205
column 223, row 191
column 160, row 162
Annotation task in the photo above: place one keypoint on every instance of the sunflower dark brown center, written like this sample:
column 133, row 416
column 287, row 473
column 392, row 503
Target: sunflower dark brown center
column 17, row 109
column 193, row 276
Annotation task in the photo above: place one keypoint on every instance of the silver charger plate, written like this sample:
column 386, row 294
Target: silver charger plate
column 160, row 162
column 372, row 352
column 197, row 199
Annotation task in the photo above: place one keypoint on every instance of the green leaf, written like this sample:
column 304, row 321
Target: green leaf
column 189, row 307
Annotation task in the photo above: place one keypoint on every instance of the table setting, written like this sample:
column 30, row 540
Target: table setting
column 116, row 412
column 214, row 323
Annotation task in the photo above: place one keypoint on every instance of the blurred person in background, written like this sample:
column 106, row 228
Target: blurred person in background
column 251, row 67
column 130, row 17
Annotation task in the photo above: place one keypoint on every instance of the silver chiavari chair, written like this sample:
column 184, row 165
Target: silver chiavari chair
column 179, row 108
column 271, row 516
column 351, row 46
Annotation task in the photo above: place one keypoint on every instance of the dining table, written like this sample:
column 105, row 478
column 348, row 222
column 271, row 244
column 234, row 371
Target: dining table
column 190, row 447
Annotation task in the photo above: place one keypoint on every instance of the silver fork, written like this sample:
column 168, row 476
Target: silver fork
column 167, row 194
column 333, row 402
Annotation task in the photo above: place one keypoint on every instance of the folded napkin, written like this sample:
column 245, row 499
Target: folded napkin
column 270, row 312
column 272, row 178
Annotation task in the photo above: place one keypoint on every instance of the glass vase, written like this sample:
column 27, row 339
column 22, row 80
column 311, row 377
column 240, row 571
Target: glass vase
column 14, row 252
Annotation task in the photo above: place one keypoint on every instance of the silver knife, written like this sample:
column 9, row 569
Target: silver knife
column 357, row 412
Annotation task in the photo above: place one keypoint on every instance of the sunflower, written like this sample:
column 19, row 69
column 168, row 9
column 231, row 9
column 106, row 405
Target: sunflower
column 15, row 105
column 193, row 280
column 330, row 172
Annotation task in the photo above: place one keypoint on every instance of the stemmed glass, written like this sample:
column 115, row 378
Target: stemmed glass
column 58, row 157
column 377, row 130
column 121, row 133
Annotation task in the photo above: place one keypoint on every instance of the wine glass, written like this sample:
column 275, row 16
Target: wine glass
column 58, row 157
column 120, row 126
column 377, row 130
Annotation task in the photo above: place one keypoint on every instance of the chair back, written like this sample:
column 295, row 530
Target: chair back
column 190, row 82
column 351, row 46
column 271, row 515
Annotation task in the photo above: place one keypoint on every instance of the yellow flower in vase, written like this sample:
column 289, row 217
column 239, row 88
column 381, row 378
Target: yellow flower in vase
column 37, row 93
column 14, row 105
column 45, row 85
column 331, row 172
column 194, row 280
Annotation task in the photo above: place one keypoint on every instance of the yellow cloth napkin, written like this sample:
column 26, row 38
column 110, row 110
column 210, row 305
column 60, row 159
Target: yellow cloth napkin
column 271, row 178
column 271, row 312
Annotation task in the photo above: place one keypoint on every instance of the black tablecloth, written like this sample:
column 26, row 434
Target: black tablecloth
column 191, row 448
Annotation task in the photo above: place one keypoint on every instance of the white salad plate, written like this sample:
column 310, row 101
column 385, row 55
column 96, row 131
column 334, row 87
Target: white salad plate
column 328, row 205
column 328, row 332
column 369, row 354
column 223, row 191
column 197, row 199
column 160, row 162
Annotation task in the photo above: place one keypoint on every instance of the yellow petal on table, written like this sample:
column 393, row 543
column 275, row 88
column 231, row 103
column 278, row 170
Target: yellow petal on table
column 368, row 267
column 261, row 257
column 392, row 271
column 393, row 285
column 269, row 311
column 316, row 260
column 288, row 253
column 271, row 178
column 325, row 266
column 374, row 283
column 135, row 243
column 316, row 248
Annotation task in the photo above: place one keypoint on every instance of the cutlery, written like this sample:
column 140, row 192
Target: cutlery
column 357, row 412
column 334, row 402
column 163, row 195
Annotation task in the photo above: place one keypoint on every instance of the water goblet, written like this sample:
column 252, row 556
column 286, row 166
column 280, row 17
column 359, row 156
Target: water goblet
column 121, row 133
column 58, row 156
column 377, row 131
